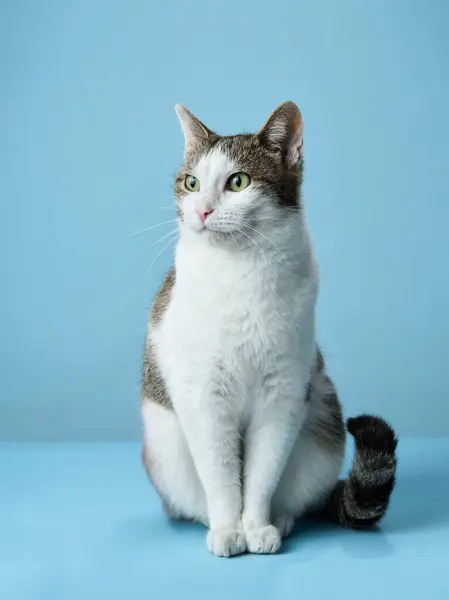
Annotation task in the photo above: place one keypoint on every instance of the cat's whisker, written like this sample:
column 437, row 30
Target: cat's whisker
column 161, row 239
column 166, row 208
column 152, row 227
column 267, row 238
column 161, row 247
column 160, row 251
column 253, row 241
column 233, row 237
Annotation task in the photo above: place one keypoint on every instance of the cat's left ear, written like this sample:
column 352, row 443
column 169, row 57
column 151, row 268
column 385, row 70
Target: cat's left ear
column 283, row 132
column 194, row 131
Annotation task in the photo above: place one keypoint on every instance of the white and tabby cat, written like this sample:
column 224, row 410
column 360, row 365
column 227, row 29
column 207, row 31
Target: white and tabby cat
column 243, row 428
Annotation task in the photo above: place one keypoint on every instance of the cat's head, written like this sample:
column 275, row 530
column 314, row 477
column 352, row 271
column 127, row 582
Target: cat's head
column 235, row 185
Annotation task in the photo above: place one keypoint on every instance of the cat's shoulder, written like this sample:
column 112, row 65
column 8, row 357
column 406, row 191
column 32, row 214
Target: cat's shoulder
column 163, row 296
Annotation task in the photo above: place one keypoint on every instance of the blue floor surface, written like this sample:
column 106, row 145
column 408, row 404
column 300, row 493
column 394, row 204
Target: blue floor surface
column 80, row 521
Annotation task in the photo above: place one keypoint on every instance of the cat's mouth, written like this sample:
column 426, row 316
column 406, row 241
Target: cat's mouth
column 217, row 229
column 214, row 235
column 220, row 227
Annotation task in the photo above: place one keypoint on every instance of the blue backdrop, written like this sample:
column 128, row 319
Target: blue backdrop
column 89, row 141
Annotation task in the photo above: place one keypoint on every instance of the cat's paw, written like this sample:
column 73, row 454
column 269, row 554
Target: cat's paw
column 226, row 542
column 264, row 540
column 284, row 523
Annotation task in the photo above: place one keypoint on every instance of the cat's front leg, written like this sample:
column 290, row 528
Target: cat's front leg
column 212, row 433
column 271, row 435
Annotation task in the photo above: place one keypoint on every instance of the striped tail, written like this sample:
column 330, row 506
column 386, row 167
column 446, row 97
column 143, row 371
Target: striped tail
column 361, row 501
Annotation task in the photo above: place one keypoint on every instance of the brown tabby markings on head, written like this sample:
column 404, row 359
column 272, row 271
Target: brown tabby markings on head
column 260, row 155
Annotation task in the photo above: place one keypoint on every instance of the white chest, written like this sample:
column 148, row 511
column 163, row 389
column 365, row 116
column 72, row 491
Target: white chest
column 239, row 320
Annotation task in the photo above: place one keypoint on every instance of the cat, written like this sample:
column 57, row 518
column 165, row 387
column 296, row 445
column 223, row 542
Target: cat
column 243, row 430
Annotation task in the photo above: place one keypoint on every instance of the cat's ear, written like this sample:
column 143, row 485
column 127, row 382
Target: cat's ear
column 194, row 131
column 283, row 132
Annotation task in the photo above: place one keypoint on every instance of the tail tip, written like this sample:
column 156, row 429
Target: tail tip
column 372, row 432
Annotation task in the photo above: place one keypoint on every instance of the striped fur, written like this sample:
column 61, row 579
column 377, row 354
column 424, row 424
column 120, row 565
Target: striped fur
column 361, row 501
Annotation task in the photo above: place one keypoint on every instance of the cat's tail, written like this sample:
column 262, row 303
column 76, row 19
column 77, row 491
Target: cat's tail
column 360, row 501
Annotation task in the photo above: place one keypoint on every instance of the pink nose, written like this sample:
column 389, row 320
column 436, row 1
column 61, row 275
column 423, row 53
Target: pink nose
column 203, row 213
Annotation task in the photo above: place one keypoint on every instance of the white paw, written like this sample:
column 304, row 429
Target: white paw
column 264, row 540
column 284, row 523
column 226, row 542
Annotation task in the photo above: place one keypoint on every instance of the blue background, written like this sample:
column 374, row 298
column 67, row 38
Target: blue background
column 88, row 144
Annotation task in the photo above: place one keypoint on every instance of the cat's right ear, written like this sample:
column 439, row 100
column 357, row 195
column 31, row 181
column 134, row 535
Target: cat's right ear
column 195, row 132
column 283, row 132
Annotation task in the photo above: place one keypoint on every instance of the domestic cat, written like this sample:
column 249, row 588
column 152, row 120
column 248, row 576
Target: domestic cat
column 243, row 430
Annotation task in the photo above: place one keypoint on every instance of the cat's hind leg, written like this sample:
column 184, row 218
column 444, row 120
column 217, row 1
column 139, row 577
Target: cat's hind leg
column 169, row 464
column 313, row 468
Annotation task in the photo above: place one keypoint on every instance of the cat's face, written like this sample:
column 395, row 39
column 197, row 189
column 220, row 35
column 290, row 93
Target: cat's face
column 233, row 186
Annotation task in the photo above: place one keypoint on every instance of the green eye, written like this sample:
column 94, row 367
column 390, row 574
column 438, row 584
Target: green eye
column 238, row 182
column 192, row 183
